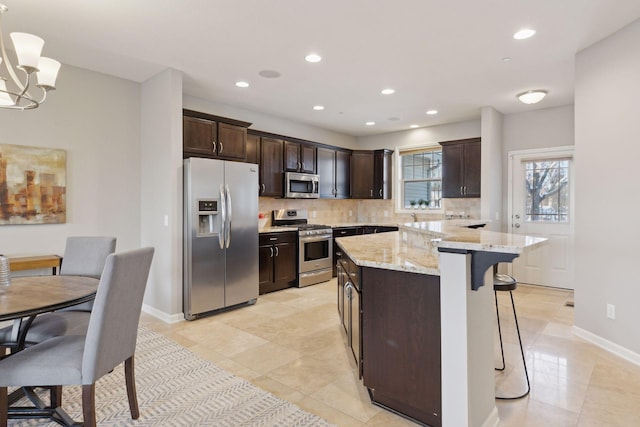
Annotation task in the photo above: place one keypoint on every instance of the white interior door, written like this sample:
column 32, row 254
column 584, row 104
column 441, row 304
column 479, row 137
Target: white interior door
column 541, row 203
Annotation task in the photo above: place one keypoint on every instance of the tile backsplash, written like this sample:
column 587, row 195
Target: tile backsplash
column 333, row 212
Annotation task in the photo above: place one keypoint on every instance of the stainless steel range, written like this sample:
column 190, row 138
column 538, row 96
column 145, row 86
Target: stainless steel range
column 315, row 243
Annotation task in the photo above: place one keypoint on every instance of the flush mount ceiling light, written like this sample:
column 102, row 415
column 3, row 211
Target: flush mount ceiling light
column 432, row 112
column 532, row 96
column 313, row 57
column 27, row 49
column 414, row 126
column 525, row 33
column 387, row 91
column 370, row 123
column 242, row 84
column 318, row 107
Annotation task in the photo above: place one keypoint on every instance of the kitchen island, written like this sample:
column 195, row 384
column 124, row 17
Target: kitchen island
column 424, row 320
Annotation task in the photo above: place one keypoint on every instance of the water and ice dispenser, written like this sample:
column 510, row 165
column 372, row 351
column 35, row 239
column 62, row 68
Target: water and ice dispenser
column 207, row 212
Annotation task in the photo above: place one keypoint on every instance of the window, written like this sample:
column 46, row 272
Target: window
column 421, row 178
column 547, row 190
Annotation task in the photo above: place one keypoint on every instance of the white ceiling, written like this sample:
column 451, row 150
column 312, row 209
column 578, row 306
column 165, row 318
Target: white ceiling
column 437, row 54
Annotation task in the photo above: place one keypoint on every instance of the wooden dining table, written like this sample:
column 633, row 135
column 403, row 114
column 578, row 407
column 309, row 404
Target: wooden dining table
column 22, row 301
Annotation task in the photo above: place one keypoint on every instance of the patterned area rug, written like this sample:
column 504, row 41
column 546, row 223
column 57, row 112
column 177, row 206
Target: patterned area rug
column 178, row 388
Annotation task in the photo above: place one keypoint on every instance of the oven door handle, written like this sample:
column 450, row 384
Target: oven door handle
column 315, row 238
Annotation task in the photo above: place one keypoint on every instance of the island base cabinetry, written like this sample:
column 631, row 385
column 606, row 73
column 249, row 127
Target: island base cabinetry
column 401, row 364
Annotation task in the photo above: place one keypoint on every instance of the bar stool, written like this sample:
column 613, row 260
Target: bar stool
column 503, row 283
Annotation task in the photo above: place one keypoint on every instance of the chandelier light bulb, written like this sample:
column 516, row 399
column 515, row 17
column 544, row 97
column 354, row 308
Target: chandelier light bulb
column 28, row 49
column 48, row 72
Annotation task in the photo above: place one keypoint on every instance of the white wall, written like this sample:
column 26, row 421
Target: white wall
column 161, row 166
column 491, row 167
column 607, row 199
column 269, row 123
column 420, row 136
column 96, row 119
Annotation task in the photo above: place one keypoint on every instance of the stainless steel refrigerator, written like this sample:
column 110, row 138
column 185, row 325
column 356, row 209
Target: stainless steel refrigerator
column 220, row 262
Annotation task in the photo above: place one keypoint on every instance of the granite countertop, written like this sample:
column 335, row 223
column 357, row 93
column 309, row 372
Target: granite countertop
column 389, row 251
column 414, row 247
column 283, row 228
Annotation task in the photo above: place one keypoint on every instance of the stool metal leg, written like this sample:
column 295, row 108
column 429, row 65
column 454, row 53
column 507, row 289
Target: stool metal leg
column 524, row 363
column 495, row 294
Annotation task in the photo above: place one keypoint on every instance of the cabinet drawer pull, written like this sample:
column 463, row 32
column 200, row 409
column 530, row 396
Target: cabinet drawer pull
column 273, row 238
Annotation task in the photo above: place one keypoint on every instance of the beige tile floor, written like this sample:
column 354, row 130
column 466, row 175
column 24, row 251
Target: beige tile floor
column 291, row 344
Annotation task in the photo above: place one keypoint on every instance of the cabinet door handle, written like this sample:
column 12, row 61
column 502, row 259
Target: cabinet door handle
column 465, row 190
column 381, row 192
column 271, row 252
column 461, row 193
column 299, row 166
column 371, row 193
column 262, row 188
column 220, row 144
column 214, row 145
column 302, row 168
column 277, row 251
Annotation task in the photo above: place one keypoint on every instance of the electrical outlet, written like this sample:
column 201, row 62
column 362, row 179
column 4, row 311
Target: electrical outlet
column 386, row 213
column 611, row 311
column 350, row 213
column 166, row 220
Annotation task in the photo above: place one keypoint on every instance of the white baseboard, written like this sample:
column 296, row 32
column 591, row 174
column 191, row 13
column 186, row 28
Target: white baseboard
column 166, row 318
column 492, row 420
column 611, row 347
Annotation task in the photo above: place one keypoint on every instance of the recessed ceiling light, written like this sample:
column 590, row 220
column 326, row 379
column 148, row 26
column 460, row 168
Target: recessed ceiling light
column 370, row 123
column 318, row 107
column 414, row 126
column 313, row 57
column 242, row 84
column 432, row 112
column 387, row 91
column 506, row 59
column 532, row 96
column 525, row 33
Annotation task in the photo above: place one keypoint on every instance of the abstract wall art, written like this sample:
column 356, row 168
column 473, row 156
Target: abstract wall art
column 32, row 185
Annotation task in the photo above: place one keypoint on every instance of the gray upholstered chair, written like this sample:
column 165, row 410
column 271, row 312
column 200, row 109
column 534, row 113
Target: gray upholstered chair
column 83, row 256
column 83, row 359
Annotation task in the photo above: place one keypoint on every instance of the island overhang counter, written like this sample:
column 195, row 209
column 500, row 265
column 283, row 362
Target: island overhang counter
column 426, row 320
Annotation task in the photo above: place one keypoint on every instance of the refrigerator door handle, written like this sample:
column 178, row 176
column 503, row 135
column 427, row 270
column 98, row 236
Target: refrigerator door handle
column 229, row 217
column 223, row 218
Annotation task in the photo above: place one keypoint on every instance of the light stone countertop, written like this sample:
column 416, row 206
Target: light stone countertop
column 415, row 247
column 389, row 251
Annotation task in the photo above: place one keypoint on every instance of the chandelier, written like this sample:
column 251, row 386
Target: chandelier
column 14, row 91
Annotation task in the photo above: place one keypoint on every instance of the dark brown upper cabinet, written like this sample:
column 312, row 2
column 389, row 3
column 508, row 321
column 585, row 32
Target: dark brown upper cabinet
column 210, row 136
column 461, row 168
column 271, row 167
column 253, row 148
column 333, row 170
column 299, row 157
column 371, row 174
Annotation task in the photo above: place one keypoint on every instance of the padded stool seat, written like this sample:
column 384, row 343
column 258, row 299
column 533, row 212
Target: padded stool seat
column 506, row 283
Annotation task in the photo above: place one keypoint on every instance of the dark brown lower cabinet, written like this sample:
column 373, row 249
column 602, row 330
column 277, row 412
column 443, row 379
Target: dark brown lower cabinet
column 400, row 330
column 278, row 261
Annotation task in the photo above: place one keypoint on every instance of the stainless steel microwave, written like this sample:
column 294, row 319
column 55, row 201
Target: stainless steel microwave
column 301, row 185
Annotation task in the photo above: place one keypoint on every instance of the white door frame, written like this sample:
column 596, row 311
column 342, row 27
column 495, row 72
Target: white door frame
column 535, row 154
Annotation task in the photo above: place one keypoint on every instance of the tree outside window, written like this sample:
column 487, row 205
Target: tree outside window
column 547, row 189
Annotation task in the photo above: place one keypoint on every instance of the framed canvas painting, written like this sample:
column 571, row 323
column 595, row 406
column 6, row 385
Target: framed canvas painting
column 32, row 185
